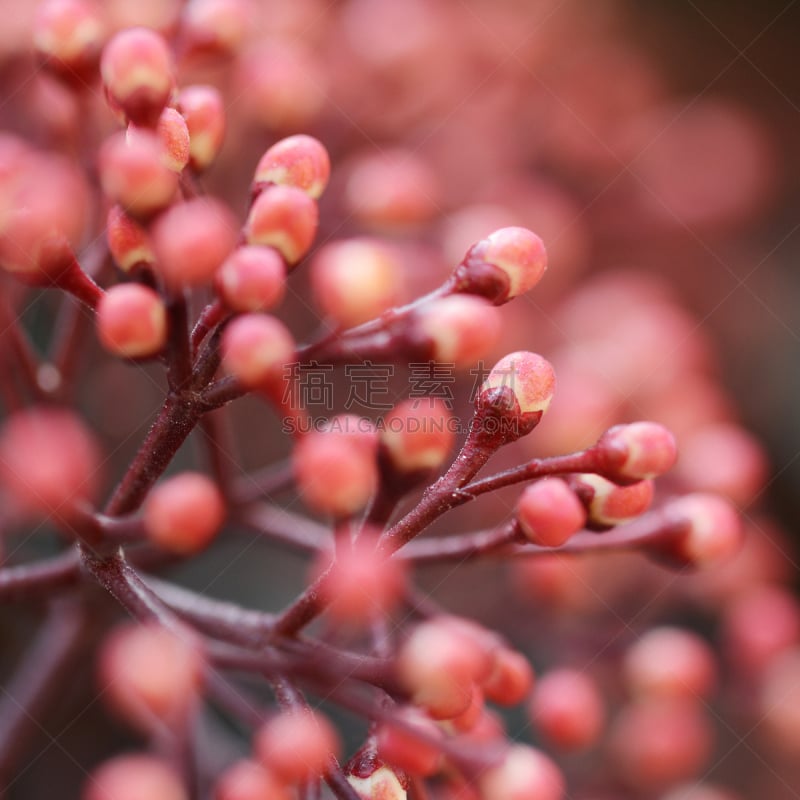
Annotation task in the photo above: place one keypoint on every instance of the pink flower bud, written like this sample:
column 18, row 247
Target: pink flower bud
column 636, row 451
column 567, row 708
column 362, row 584
column 134, row 777
column 297, row 746
column 204, row 111
column 215, row 26
column 439, row 665
column 382, row 784
column 461, row 329
column 151, row 675
column 336, row 472
column 549, row 512
column 670, row 662
column 137, row 72
column 256, row 348
column 37, row 228
column 247, row 780
column 284, row 84
column 300, row 161
column 392, row 190
column 128, row 241
column 49, row 461
column 656, row 743
column 418, row 435
column 724, row 459
column 517, row 254
column 354, row 280
column 132, row 321
column 184, row 513
column 68, row 35
column 285, row 218
column 192, row 239
column 174, row 135
column 713, row 534
column 529, row 376
column 510, row 679
column 608, row 504
column 134, row 174
column 400, row 748
column 524, row 773
column 252, row 279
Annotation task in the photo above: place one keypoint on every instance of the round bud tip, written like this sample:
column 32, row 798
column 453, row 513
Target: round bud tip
column 184, row 513
column 132, row 321
column 524, row 773
column 714, row 530
column 137, row 71
column 549, row 513
column 256, row 349
column 300, row 161
column 529, row 376
column 460, row 328
column 516, row 252
column 636, row 451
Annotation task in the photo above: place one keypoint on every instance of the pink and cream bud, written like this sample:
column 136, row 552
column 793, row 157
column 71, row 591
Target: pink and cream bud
column 248, row 780
column 285, row 218
column 517, row 253
column 608, row 504
column 713, row 530
column 184, row 513
column 549, row 513
column 128, row 241
column 192, row 239
column 256, row 348
column 174, row 135
column 215, row 26
column 524, row 773
column 418, row 435
column 297, row 746
column 138, row 74
column 300, row 161
column 68, row 35
column 204, row 111
column 134, row 173
column 252, row 279
column 530, row 377
column 151, row 675
column 636, row 451
column 461, row 329
column 336, row 470
column 354, row 281
column 132, row 321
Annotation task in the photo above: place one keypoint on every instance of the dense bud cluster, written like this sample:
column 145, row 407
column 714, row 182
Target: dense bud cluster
column 382, row 389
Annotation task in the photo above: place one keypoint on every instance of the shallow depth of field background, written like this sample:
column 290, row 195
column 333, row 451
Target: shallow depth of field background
column 656, row 139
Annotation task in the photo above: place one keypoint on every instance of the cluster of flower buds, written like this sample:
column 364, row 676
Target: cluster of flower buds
column 178, row 279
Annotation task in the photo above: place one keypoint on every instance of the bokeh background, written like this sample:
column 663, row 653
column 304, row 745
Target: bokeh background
column 652, row 145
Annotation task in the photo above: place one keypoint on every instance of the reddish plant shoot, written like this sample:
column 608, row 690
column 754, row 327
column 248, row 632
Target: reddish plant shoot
column 172, row 243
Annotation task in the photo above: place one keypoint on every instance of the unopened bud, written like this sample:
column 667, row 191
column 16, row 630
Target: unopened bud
column 285, row 218
column 252, row 279
column 204, row 111
column 549, row 513
column 256, row 348
column 524, row 773
column 608, row 504
column 507, row 263
column 132, row 321
column 636, row 451
column 128, row 241
column 530, row 377
column 300, row 161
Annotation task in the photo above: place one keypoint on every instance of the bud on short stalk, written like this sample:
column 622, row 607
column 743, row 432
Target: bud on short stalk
column 256, row 349
column 138, row 74
column 128, row 241
column 354, row 281
column 549, row 513
column 509, row 262
column 608, row 504
column 299, row 161
column 132, row 777
column 636, row 451
column 252, row 279
column 248, row 780
column 132, row 321
column 285, row 218
column 204, row 111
